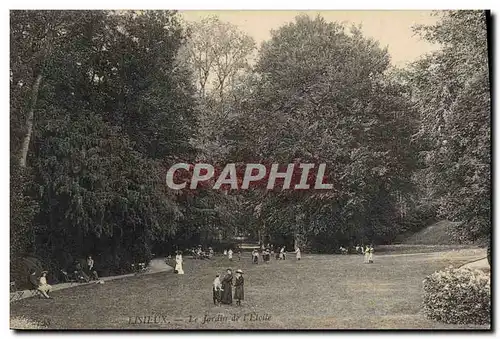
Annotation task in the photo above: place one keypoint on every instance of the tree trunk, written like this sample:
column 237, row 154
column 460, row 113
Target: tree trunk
column 29, row 121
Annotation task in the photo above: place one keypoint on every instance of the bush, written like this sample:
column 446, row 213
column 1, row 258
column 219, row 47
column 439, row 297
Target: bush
column 458, row 296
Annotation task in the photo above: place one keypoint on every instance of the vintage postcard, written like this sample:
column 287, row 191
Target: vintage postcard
column 245, row 170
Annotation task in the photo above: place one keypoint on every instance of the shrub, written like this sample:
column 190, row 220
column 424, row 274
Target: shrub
column 458, row 296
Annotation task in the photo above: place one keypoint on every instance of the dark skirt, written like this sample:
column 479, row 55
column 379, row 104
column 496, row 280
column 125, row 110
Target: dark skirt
column 239, row 293
column 217, row 295
column 227, row 294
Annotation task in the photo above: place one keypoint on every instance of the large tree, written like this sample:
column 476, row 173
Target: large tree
column 451, row 89
column 321, row 95
column 114, row 106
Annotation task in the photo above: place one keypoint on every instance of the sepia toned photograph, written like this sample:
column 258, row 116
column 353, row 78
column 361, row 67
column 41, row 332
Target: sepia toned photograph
column 250, row 170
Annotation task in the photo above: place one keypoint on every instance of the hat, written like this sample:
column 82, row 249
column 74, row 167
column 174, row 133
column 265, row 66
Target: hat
column 44, row 272
column 229, row 269
column 239, row 271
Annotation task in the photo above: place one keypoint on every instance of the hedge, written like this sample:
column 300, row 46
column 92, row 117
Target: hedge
column 458, row 296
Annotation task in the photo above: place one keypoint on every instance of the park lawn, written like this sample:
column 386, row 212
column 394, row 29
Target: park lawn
column 318, row 292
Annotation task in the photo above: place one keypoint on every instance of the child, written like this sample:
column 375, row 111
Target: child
column 239, row 293
column 268, row 255
column 230, row 254
column 367, row 255
column 370, row 255
column 217, row 290
column 225, row 252
column 239, row 255
column 255, row 256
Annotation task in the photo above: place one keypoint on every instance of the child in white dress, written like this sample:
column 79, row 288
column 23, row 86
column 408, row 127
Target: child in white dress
column 367, row 255
column 217, row 290
column 44, row 286
column 370, row 255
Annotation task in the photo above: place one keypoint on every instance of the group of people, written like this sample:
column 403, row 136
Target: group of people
column 229, row 253
column 267, row 253
column 368, row 255
column 201, row 254
column 39, row 282
column 88, row 273
column 223, row 289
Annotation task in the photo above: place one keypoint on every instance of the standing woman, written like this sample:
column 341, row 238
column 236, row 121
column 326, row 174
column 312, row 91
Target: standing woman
column 239, row 293
column 297, row 253
column 178, row 263
column 227, row 289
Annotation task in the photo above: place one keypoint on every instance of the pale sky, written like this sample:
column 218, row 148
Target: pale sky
column 390, row 28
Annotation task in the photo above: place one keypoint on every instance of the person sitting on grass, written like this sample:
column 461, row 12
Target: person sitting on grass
column 239, row 293
column 35, row 283
column 80, row 275
column 43, row 283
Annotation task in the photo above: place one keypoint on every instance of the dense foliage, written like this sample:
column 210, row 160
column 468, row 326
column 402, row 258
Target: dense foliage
column 458, row 296
column 452, row 93
column 113, row 106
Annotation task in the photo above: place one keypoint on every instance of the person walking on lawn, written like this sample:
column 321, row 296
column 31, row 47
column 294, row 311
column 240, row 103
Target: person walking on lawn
column 239, row 293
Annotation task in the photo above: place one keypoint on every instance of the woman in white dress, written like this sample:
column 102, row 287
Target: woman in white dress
column 230, row 254
column 297, row 253
column 178, row 263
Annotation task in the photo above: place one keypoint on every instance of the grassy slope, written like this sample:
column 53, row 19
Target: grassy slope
column 435, row 234
column 321, row 291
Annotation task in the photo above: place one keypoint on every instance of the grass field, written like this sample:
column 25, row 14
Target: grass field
column 320, row 291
